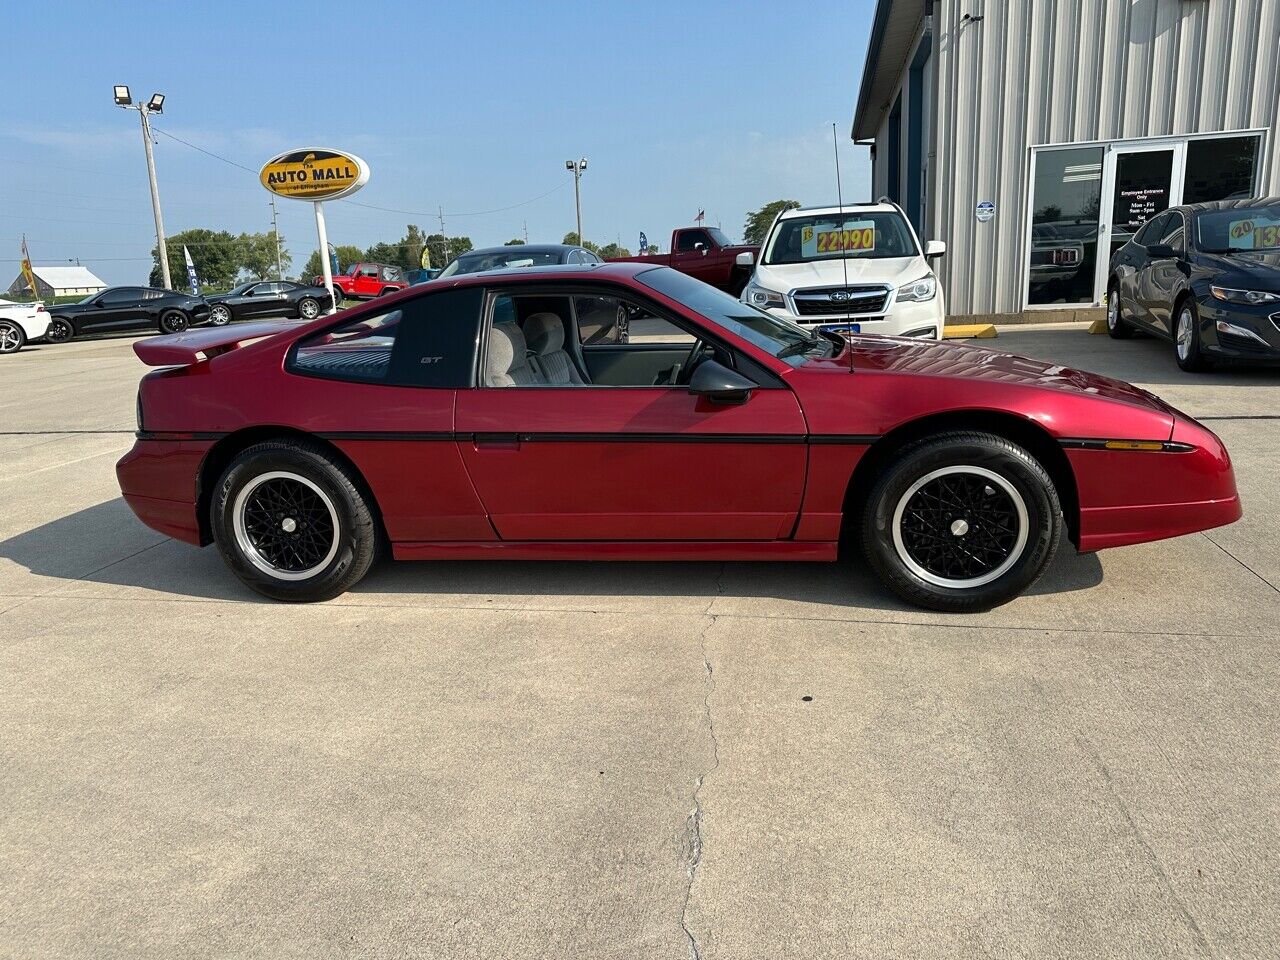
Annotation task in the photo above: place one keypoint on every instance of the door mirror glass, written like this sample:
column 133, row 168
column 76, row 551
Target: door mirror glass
column 746, row 259
column 934, row 249
column 1161, row 251
column 719, row 384
column 700, row 247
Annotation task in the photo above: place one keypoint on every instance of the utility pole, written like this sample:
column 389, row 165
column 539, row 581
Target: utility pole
column 577, row 166
column 276, row 230
column 444, row 239
column 526, row 231
column 154, row 105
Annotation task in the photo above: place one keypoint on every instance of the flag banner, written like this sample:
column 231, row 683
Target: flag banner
column 191, row 272
column 333, row 260
column 702, row 215
column 27, row 273
column 644, row 242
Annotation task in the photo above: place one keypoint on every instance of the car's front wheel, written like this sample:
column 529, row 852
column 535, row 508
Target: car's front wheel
column 220, row 315
column 60, row 331
column 292, row 523
column 961, row 522
column 173, row 321
column 12, row 337
column 1186, row 340
column 308, row 308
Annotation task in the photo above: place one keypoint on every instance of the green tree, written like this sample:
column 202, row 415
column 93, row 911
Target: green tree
column 383, row 253
column 440, row 257
column 571, row 238
column 216, row 255
column 347, row 255
column 759, row 221
column 514, row 242
column 613, row 250
column 258, row 254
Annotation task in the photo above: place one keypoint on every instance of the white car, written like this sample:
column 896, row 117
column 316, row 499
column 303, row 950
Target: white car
column 857, row 268
column 20, row 322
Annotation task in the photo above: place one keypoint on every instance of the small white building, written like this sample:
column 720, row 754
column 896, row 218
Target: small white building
column 58, row 282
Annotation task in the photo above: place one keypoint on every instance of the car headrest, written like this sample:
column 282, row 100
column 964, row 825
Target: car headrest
column 506, row 351
column 544, row 333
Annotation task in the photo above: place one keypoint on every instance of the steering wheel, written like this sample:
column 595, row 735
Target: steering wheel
column 682, row 372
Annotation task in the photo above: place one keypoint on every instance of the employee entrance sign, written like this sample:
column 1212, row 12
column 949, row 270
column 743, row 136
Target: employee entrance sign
column 316, row 174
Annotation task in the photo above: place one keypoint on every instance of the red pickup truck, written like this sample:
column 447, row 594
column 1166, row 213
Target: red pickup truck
column 707, row 254
column 364, row 281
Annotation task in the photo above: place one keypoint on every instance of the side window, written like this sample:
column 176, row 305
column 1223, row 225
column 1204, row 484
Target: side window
column 391, row 273
column 429, row 341
column 691, row 238
column 369, row 272
column 575, row 256
column 1150, row 231
column 115, row 298
column 613, row 320
column 1173, row 231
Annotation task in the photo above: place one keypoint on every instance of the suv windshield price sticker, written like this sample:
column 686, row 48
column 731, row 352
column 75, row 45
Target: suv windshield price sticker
column 857, row 236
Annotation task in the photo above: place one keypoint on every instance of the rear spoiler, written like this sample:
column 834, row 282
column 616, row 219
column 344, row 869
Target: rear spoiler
column 193, row 346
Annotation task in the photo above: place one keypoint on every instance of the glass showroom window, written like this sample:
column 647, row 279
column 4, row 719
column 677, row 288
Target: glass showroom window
column 1064, row 225
column 1221, row 168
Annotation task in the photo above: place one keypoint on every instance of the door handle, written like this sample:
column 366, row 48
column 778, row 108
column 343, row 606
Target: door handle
column 497, row 441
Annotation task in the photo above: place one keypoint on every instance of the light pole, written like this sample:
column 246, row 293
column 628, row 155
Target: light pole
column 154, row 105
column 577, row 166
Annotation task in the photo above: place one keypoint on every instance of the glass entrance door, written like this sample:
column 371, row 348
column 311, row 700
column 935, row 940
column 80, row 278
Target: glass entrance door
column 1137, row 183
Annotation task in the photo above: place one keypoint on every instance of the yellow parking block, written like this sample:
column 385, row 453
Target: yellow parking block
column 1098, row 326
column 964, row 331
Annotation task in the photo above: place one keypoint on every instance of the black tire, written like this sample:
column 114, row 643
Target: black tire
column 1189, row 354
column 12, row 336
column 219, row 315
column 173, row 321
column 1006, row 525
column 1117, row 327
column 60, row 330
column 338, row 297
column 331, row 503
column 308, row 308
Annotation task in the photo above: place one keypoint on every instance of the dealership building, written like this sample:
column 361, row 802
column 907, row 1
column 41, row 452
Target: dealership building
column 1034, row 136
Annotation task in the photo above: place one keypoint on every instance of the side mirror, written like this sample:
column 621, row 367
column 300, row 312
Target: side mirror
column 719, row 384
column 700, row 247
column 934, row 249
column 1161, row 251
column 746, row 259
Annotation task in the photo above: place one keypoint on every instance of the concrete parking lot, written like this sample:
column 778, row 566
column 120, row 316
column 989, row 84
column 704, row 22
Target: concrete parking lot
column 630, row 760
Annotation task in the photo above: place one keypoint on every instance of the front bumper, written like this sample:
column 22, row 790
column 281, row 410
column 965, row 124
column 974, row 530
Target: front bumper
column 1238, row 331
column 903, row 319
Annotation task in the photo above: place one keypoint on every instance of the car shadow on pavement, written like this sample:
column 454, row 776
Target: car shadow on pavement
column 105, row 544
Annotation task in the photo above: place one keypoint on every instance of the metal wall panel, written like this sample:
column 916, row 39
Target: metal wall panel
column 1067, row 71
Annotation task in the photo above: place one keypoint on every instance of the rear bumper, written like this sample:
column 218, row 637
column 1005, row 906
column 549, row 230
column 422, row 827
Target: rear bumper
column 158, row 481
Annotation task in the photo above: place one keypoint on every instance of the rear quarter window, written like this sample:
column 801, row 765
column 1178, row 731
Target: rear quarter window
column 429, row 341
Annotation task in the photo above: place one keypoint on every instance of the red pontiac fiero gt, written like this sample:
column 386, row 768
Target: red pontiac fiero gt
column 629, row 412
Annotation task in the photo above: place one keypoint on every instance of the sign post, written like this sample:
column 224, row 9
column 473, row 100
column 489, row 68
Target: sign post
column 315, row 174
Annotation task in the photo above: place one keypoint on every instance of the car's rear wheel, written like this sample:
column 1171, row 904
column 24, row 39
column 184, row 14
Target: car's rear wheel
column 386, row 291
column 961, row 522
column 292, row 523
column 60, row 331
column 338, row 296
column 12, row 337
column 173, row 321
column 1186, row 339
column 220, row 315
column 308, row 308
column 1117, row 327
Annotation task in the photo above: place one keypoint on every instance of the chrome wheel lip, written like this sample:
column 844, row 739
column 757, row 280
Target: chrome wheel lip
column 219, row 315
column 246, row 546
column 1020, row 508
column 1113, row 310
column 1185, row 333
column 309, row 309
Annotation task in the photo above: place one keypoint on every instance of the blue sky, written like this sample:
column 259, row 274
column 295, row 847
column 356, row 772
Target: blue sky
column 473, row 106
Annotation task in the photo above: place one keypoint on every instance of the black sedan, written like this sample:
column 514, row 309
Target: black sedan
column 268, row 298
column 119, row 309
column 1206, row 277
column 516, row 256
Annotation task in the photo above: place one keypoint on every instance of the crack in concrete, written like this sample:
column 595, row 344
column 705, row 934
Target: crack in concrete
column 694, row 821
column 1239, row 561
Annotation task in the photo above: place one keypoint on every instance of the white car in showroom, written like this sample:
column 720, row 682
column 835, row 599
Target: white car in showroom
column 858, row 268
column 20, row 323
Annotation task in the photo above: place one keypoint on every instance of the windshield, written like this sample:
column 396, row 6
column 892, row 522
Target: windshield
column 828, row 236
column 236, row 291
column 781, row 338
column 505, row 260
column 1244, row 228
column 718, row 236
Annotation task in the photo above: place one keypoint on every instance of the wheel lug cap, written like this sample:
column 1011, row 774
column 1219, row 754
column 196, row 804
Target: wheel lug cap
column 959, row 527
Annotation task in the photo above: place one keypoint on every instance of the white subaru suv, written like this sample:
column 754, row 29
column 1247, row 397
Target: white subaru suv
column 857, row 268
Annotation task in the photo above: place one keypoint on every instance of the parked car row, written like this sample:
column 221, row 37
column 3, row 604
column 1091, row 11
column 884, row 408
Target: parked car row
column 124, row 309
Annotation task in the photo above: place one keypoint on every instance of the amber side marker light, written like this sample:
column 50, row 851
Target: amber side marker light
column 1133, row 445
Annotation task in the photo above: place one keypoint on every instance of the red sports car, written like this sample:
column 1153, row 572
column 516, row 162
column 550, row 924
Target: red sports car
column 493, row 416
